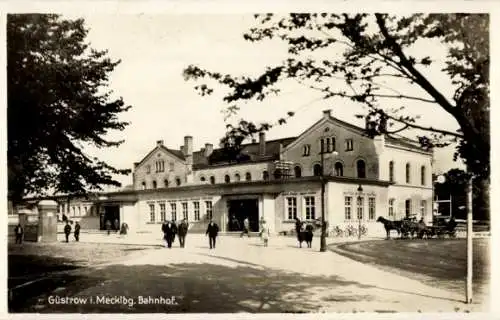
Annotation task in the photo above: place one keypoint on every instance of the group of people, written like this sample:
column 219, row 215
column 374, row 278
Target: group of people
column 67, row 231
column 170, row 230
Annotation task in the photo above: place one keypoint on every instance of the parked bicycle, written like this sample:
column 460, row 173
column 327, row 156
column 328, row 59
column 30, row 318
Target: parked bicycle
column 337, row 232
column 351, row 231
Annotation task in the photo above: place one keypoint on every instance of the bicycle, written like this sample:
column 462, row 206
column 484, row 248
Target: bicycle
column 337, row 232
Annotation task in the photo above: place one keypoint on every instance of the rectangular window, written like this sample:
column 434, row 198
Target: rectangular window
column 422, row 175
column 152, row 212
column 359, row 207
column 196, row 206
column 408, row 208
column 185, row 210
column 173, row 211
column 348, row 208
column 423, row 208
column 349, row 146
column 291, row 204
column 391, row 207
column 333, row 147
column 208, row 206
column 371, row 208
column 148, row 169
column 171, row 166
column 310, row 208
column 163, row 215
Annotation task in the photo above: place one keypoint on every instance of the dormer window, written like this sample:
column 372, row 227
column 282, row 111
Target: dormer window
column 306, row 150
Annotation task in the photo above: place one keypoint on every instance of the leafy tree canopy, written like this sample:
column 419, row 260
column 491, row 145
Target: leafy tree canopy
column 368, row 52
column 57, row 104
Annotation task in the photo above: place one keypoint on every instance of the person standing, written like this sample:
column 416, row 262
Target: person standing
column 212, row 231
column 246, row 227
column 19, row 232
column 108, row 226
column 77, row 231
column 67, row 231
column 168, row 233
column 117, row 225
column 124, row 229
column 183, row 229
column 264, row 232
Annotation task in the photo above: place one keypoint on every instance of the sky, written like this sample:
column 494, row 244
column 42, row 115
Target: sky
column 155, row 49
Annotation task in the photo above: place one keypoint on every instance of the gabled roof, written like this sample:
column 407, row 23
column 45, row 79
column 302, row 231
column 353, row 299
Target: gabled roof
column 175, row 153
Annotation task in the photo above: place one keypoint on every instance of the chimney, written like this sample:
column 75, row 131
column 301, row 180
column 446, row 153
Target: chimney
column 182, row 149
column 327, row 113
column 262, row 143
column 159, row 143
column 188, row 145
column 209, row 148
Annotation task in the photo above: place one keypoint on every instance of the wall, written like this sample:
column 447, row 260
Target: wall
column 416, row 194
column 159, row 153
column 255, row 170
column 363, row 148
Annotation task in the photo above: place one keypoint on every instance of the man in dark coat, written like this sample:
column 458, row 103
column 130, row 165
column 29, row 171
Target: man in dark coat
column 67, row 231
column 212, row 231
column 168, row 229
column 77, row 231
column 182, row 232
column 19, row 232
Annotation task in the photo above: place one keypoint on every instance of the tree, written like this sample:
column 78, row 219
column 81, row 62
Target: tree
column 57, row 104
column 371, row 53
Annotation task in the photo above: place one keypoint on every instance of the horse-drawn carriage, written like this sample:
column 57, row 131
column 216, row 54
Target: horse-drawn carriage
column 410, row 228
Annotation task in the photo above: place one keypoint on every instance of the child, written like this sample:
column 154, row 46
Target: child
column 264, row 233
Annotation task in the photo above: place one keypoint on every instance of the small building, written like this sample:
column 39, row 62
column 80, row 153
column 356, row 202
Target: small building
column 278, row 180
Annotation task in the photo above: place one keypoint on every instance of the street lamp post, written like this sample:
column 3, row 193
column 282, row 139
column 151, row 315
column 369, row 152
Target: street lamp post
column 323, row 229
column 360, row 192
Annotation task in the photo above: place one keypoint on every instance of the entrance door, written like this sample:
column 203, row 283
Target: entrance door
column 111, row 213
column 238, row 210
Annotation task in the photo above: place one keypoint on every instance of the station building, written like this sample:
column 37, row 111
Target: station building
column 362, row 178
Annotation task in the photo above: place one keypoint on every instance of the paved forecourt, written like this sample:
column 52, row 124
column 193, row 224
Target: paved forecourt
column 348, row 285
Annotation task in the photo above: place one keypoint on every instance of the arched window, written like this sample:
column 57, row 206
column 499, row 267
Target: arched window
column 297, row 171
column 227, row 179
column 277, row 174
column 248, row 176
column 237, row 177
column 361, row 167
column 408, row 173
column 202, row 179
column 165, row 183
column 317, row 169
column 144, row 186
column 178, row 181
column 212, row 180
column 339, row 169
column 422, row 175
column 265, row 175
column 154, row 184
column 391, row 171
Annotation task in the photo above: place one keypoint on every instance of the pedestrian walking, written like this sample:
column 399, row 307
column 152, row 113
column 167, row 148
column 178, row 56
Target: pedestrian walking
column 182, row 232
column 246, row 227
column 168, row 230
column 67, row 231
column 108, row 226
column 264, row 232
column 212, row 231
column 77, row 231
column 19, row 232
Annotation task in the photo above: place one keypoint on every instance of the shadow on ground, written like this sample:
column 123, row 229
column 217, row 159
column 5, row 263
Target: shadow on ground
column 196, row 288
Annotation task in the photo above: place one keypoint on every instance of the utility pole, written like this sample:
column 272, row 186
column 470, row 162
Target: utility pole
column 468, row 292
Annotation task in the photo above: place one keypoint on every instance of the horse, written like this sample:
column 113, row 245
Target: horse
column 304, row 233
column 390, row 225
